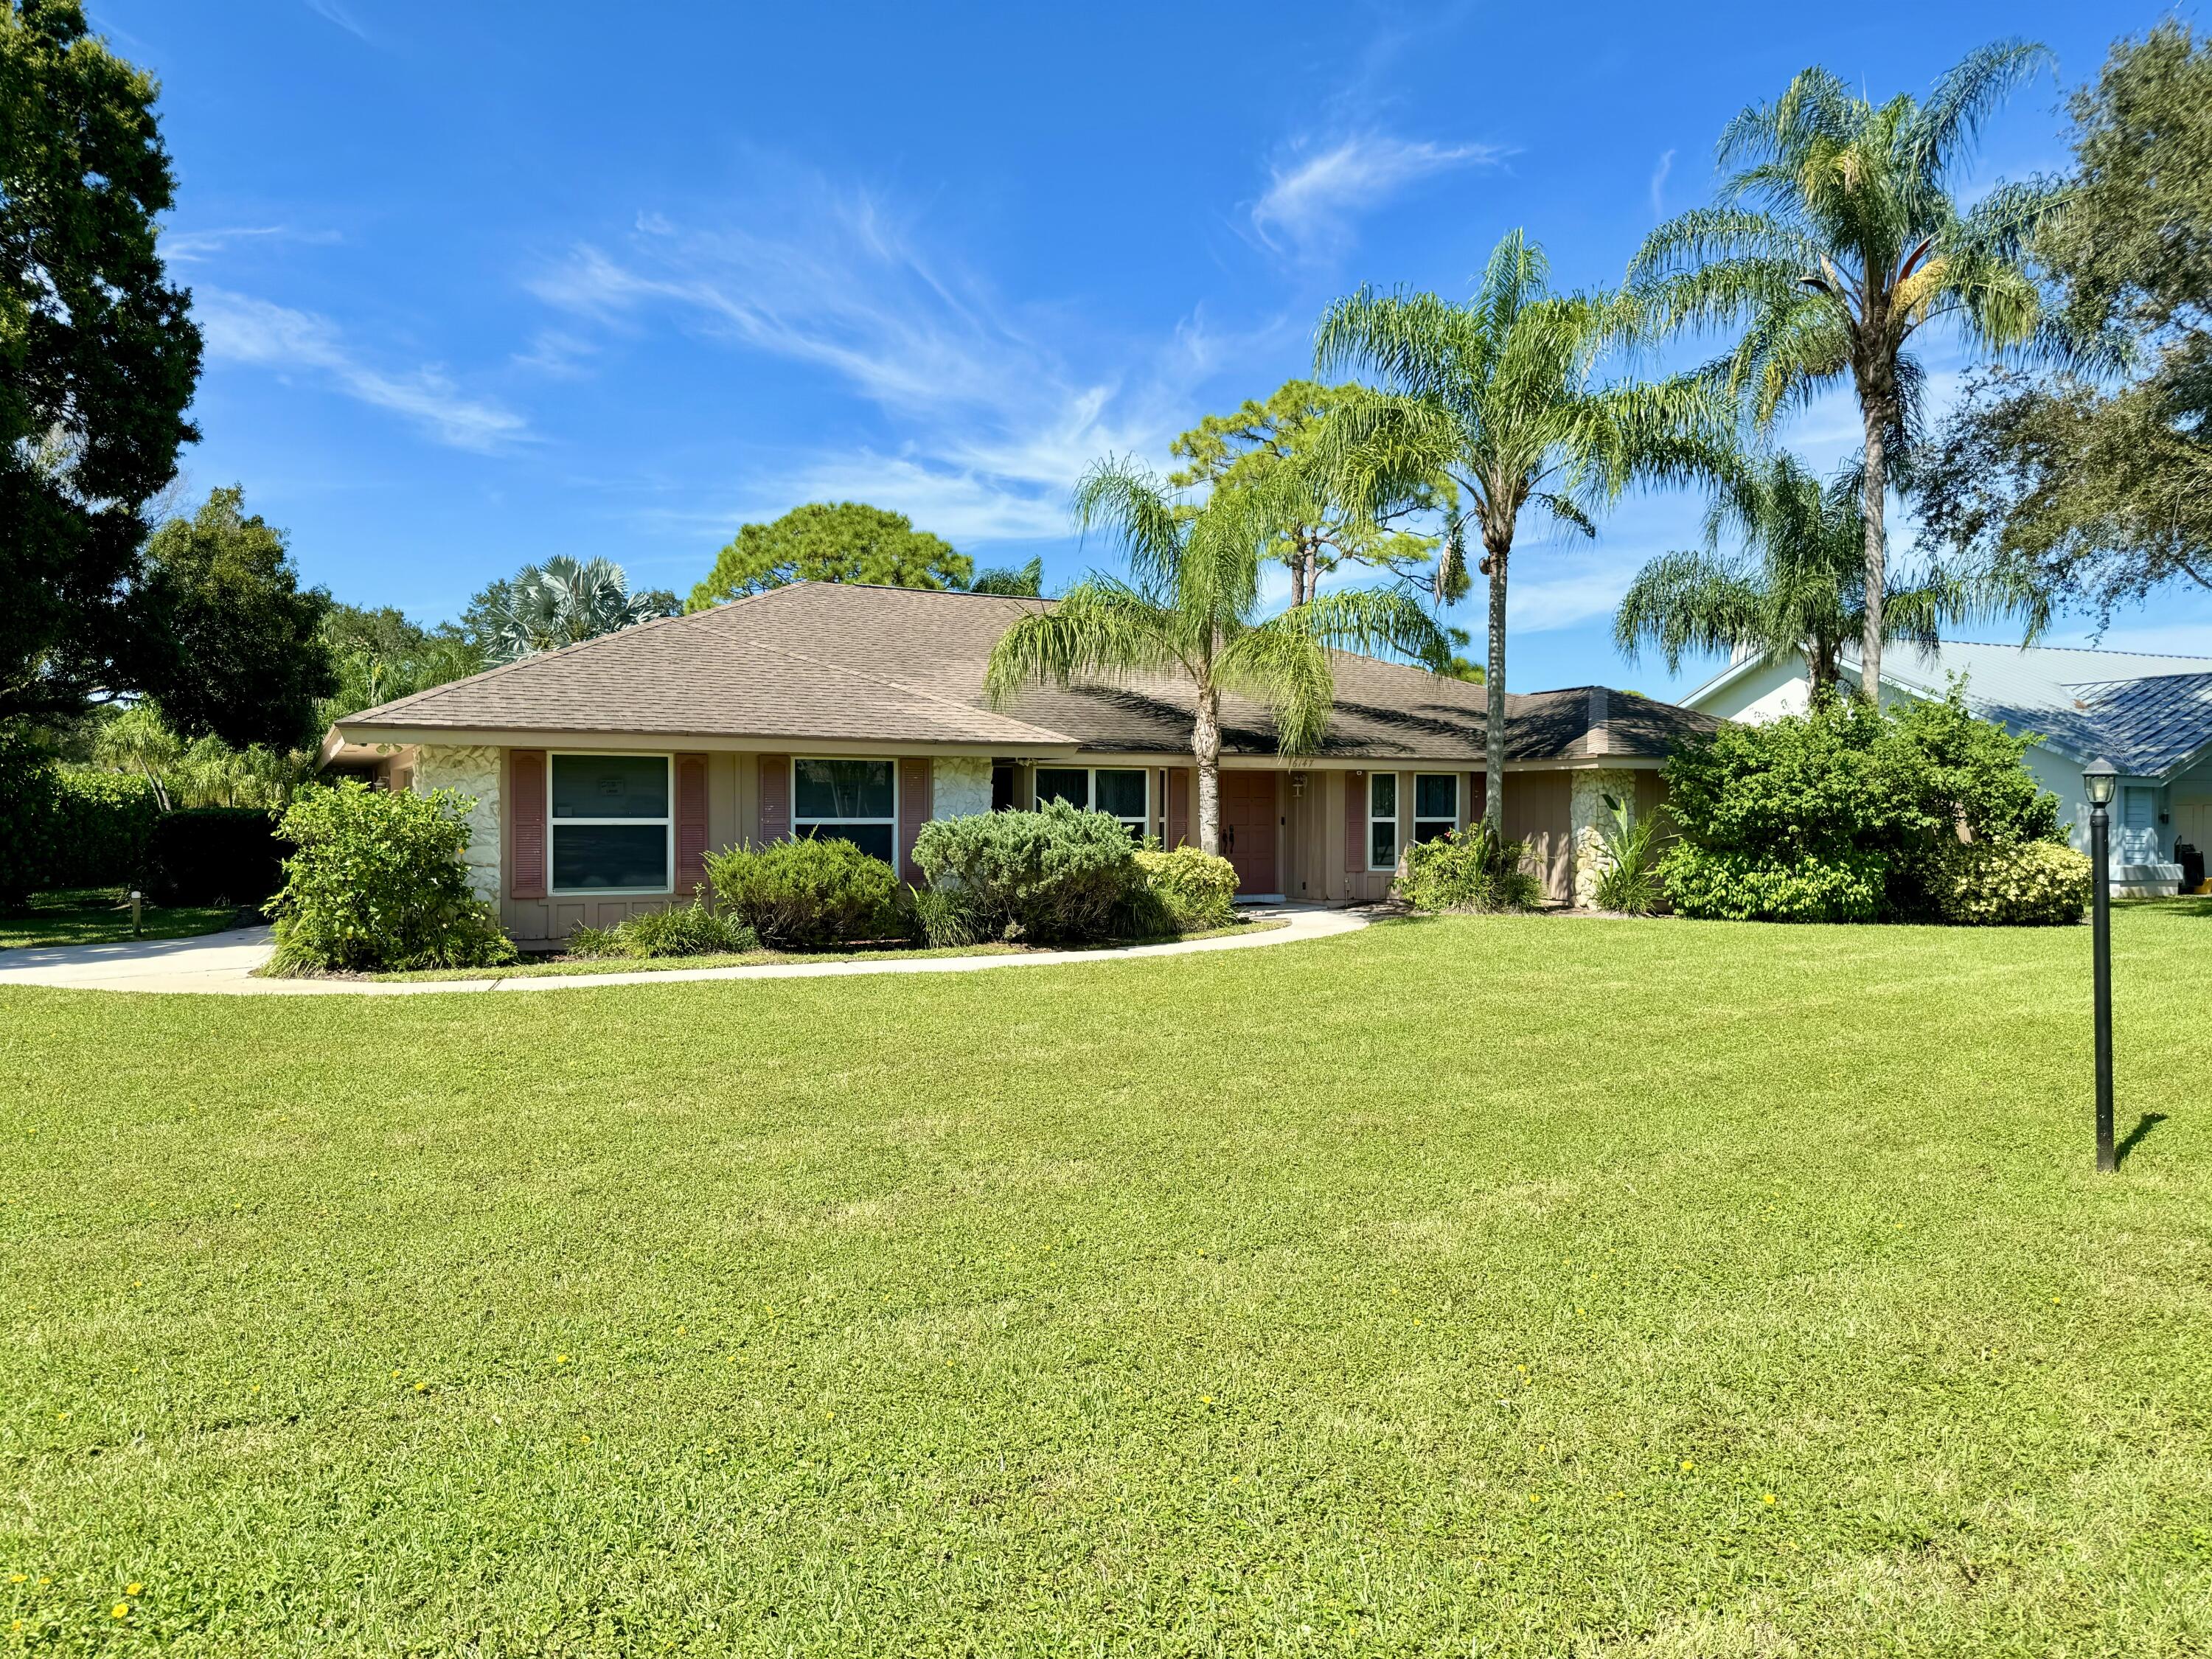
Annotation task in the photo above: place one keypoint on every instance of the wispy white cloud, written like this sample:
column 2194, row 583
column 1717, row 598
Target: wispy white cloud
column 1659, row 184
column 1314, row 194
column 240, row 329
column 989, row 423
column 190, row 246
column 332, row 11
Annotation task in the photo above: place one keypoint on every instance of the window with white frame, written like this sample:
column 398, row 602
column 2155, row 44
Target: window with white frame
column 1381, row 820
column 854, row 800
column 609, row 823
column 1436, row 805
column 1120, row 792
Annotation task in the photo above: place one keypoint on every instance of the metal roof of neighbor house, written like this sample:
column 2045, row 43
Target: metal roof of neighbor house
column 849, row 662
column 2148, row 712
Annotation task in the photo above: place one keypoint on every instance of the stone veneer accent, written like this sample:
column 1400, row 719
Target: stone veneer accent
column 962, row 787
column 1586, row 817
column 469, row 769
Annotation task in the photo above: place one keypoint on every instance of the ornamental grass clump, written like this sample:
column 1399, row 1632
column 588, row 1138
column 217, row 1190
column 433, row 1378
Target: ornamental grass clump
column 377, row 883
column 1197, row 889
column 686, row 930
column 1629, row 882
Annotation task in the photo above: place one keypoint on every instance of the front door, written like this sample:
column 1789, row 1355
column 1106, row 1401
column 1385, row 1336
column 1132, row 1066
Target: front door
column 1247, row 829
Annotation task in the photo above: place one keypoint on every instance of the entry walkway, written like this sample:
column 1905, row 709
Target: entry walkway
column 223, row 963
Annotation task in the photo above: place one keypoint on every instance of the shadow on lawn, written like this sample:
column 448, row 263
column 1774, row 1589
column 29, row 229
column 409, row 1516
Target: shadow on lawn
column 2135, row 1136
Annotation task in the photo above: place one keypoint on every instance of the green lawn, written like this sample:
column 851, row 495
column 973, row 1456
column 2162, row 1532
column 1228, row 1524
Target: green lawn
column 1506, row 1286
column 97, row 916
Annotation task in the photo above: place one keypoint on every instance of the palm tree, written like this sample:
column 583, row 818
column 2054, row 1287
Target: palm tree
column 1839, row 237
column 1191, row 610
column 1797, row 586
column 560, row 602
column 1497, row 396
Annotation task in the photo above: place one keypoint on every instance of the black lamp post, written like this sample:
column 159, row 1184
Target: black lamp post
column 2098, row 780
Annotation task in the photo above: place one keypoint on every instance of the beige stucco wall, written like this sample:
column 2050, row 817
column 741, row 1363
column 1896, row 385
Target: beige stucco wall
column 474, row 771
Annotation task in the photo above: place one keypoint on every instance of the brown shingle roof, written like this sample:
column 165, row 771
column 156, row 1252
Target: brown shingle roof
column 843, row 661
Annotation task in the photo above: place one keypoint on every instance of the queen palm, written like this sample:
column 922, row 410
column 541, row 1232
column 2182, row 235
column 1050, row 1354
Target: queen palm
column 1797, row 585
column 1498, row 395
column 1838, row 239
column 1190, row 609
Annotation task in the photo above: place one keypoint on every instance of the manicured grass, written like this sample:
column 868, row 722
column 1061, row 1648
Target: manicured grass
column 570, row 966
column 1512, row 1286
column 91, row 915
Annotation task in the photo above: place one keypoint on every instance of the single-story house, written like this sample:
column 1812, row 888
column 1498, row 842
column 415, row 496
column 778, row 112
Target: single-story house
column 2150, row 715
column 604, row 772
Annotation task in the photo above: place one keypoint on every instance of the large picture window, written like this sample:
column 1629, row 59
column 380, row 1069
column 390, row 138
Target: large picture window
column 1381, row 820
column 854, row 800
column 609, row 823
column 1436, row 805
column 1122, row 791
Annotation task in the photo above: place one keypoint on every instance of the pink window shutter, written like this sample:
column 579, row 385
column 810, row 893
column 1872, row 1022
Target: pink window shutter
column 526, row 787
column 774, row 796
column 690, row 823
column 1177, row 828
column 914, row 779
column 1470, row 808
column 1355, row 822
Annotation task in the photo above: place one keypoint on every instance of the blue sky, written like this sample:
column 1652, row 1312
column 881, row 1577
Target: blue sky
column 486, row 283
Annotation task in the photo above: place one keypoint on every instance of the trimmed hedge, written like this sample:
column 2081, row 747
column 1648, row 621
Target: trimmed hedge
column 214, row 855
column 810, row 892
column 27, row 790
column 1198, row 889
column 1054, row 875
column 1709, row 886
column 2034, row 883
column 103, row 823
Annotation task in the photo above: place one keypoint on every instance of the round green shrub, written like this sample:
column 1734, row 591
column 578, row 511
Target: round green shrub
column 2025, row 883
column 1732, row 886
column 805, row 893
column 1197, row 889
column 1056, row 874
column 376, row 882
column 1468, row 869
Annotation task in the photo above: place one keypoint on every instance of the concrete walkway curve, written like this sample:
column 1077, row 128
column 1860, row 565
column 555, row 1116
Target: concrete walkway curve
column 223, row 963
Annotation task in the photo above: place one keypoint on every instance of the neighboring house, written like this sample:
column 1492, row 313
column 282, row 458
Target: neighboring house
column 604, row 772
column 2151, row 716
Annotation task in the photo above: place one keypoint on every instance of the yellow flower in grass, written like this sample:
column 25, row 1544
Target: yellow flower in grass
column 121, row 1610
column 133, row 1589
column 1687, row 1465
column 1769, row 1498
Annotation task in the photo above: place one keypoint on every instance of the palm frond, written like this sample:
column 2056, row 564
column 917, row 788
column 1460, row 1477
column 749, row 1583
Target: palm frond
column 1099, row 629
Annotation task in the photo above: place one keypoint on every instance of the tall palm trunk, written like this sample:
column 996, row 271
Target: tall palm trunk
column 1493, row 719
column 1206, row 747
column 1878, row 408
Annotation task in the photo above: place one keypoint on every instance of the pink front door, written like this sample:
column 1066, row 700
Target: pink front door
column 1247, row 829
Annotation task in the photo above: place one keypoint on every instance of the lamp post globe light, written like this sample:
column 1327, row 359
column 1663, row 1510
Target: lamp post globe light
column 2099, row 780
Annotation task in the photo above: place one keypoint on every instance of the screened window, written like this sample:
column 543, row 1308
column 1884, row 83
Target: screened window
column 1120, row 791
column 854, row 800
column 1436, row 805
column 609, row 823
column 1381, row 820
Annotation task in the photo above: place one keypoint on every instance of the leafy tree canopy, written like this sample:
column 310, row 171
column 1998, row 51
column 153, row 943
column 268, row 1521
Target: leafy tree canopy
column 98, row 357
column 2094, row 493
column 847, row 542
column 1262, row 445
column 233, row 648
column 382, row 656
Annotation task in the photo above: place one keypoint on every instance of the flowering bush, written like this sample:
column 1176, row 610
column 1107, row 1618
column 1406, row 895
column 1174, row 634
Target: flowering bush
column 1732, row 886
column 377, row 883
column 2037, row 882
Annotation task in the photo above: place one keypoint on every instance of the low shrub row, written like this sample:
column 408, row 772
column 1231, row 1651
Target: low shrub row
column 1469, row 869
column 686, row 930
